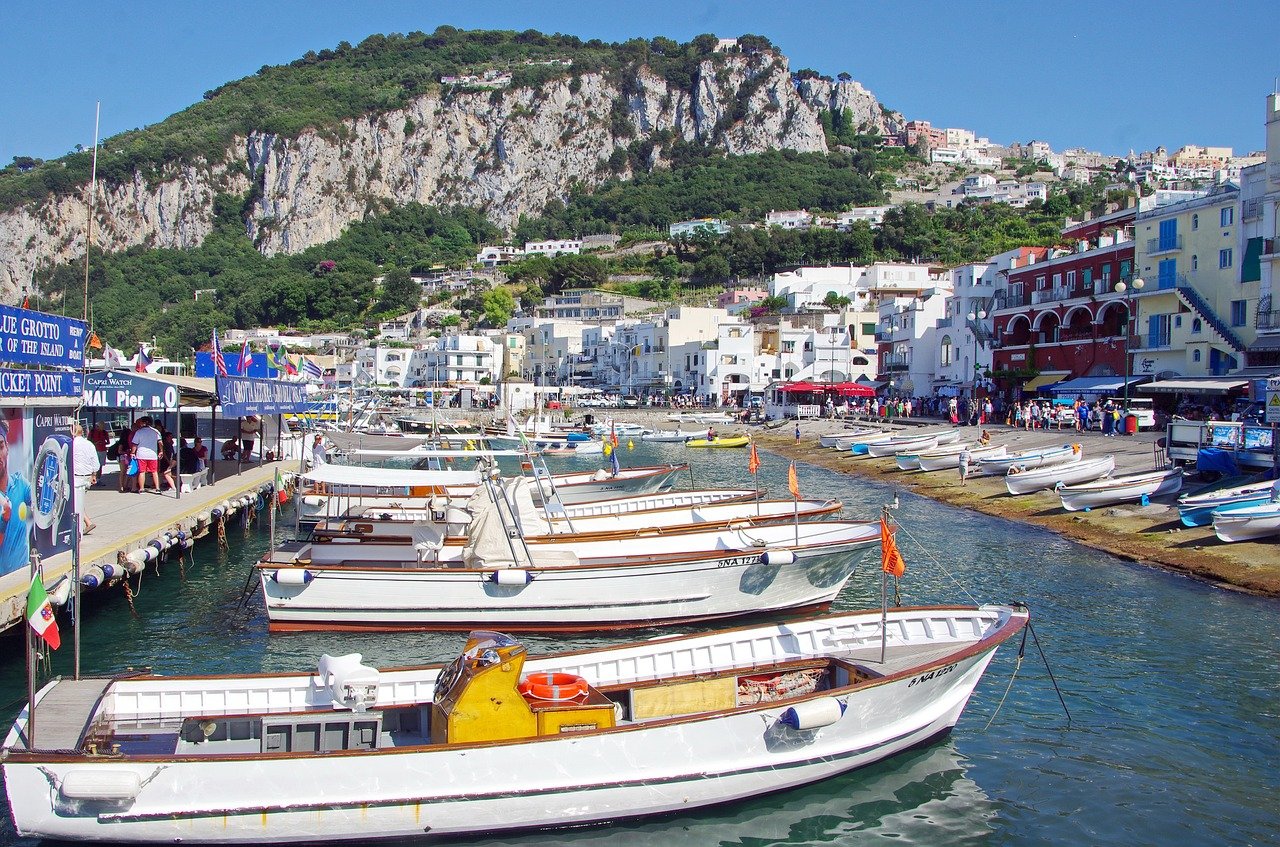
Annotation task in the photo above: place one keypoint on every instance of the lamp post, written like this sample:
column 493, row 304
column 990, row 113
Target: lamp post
column 975, row 316
column 1121, row 288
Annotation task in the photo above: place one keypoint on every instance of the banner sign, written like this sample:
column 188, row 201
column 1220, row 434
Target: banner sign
column 34, row 338
column 40, row 383
column 240, row 396
column 129, row 390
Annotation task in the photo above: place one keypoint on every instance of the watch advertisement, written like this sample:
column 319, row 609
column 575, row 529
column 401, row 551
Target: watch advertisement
column 36, row 489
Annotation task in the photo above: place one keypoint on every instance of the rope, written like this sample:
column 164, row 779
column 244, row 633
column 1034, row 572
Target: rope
column 222, row 532
column 129, row 595
column 1022, row 652
column 924, row 549
column 1044, row 659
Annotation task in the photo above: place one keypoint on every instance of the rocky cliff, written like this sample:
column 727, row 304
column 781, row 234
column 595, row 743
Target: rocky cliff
column 507, row 151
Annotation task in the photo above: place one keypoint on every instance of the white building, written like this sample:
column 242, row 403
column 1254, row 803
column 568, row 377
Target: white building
column 500, row 254
column 790, row 219
column 701, row 226
column 872, row 215
column 554, row 247
column 945, row 155
column 459, row 360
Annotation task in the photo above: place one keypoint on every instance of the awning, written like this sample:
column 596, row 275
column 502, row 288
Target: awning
column 1270, row 341
column 844, row 389
column 1044, row 378
column 1095, row 384
column 1197, row 385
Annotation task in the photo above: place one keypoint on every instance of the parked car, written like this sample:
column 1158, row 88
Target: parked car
column 630, row 401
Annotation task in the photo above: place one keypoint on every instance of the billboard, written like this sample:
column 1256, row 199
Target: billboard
column 36, row 489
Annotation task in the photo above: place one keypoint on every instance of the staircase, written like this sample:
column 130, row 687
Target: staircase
column 1198, row 304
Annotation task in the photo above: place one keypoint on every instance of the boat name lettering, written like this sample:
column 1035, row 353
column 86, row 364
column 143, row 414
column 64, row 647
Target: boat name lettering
column 932, row 674
column 738, row 561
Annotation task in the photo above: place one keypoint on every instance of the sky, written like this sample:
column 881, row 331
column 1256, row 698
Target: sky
column 1105, row 76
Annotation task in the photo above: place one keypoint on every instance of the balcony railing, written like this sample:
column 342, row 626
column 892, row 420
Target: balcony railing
column 1267, row 320
column 897, row 362
column 944, row 323
column 1151, row 341
column 884, row 335
column 1050, row 295
column 1163, row 245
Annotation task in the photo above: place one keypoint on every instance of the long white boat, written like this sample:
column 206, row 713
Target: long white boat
column 1247, row 524
column 672, row 436
column 1200, row 509
column 948, row 457
column 1048, row 476
column 1029, row 459
column 495, row 740
column 1126, row 488
column 834, row 439
column 561, row 584
column 918, row 443
column 861, row 445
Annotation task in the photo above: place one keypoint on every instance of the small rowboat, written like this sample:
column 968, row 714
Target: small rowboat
column 1200, row 509
column 917, row 443
column 844, row 439
column 1126, row 488
column 670, row 436
column 719, row 441
column 1048, row 476
column 1029, row 459
column 1247, row 524
column 862, row 444
column 948, row 458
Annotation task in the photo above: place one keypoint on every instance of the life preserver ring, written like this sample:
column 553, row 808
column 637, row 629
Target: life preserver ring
column 553, row 686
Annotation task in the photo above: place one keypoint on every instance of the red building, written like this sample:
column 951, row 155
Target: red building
column 1058, row 312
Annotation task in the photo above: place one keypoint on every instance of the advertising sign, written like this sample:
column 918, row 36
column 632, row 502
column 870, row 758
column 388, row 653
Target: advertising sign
column 1273, row 400
column 40, row 383
column 34, row 338
column 241, row 396
column 129, row 390
column 36, row 489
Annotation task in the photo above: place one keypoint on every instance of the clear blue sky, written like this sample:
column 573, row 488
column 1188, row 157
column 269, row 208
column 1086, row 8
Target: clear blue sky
column 1106, row 76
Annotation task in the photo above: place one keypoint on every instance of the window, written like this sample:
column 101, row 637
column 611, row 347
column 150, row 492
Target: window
column 1040, row 283
column 868, row 329
column 1228, row 215
column 1238, row 312
column 1195, row 263
column 1224, row 258
column 1195, row 327
column 1071, row 280
column 1195, row 355
column 1168, row 236
column 1195, row 221
column 946, row 350
column 788, row 347
column 1167, row 276
column 1177, row 320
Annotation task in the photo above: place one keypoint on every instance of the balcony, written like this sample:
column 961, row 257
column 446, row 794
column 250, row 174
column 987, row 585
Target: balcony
column 1050, row 295
column 1156, row 246
column 1269, row 248
column 1267, row 320
column 943, row 323
column 1152, row 341
column 884, row 335
column 896, row 362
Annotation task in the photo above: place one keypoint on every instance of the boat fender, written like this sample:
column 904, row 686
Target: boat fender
column 61, row 592
column 100, row 785
column 293, row 576
column 778, row 557
column 511, row 576
column 216, row 513
column 188, row 543
column 202, row 518
column 553, row 686
column 156, row 545
column 113, row 570
column 135, row 560
column 92, row 577
column 813, row 714
column 1146, row 500
column 1076, row 448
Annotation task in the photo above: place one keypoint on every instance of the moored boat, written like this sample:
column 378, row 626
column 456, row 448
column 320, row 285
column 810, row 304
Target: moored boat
column 508, row 741
column 671, row 436
column 1247, row 523
column 1126, row 488
column 1067, row 473
column 947, row 457
column 1029, row 459
column 918, row 443
column 719, row 441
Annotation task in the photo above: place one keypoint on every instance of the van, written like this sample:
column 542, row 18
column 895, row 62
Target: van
column 630, row 401
column 1145, row 410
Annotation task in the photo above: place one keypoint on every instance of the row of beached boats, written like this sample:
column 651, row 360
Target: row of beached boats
column 498, row 739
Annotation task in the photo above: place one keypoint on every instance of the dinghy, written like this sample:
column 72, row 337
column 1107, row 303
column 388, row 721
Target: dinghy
column 1127, row 488
column 1199, row 509
column 1029, row 459
column 917, row 443
column 1247, row 523
column 947, row 458
column 1048, row 476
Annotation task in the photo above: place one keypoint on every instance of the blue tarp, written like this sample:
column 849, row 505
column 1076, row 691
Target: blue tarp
column 1094, row 385
column 1216, row 459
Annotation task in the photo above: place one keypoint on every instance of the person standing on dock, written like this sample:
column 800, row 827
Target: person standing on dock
column 85, row 467
column 146, row 449
column 249, row 428
column 965, row 456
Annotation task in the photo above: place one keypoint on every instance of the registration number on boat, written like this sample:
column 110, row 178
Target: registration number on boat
column 737, row 561
column 925, row 677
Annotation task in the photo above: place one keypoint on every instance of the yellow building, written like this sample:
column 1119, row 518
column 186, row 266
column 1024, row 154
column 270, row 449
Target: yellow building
column 1194, row 315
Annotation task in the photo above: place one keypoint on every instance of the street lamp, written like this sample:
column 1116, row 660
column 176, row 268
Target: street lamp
column 975, row 316
column 1120, row 289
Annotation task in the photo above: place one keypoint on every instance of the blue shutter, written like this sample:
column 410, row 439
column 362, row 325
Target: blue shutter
column 1153, row 331
column 1169, row 234
column 1168, row 277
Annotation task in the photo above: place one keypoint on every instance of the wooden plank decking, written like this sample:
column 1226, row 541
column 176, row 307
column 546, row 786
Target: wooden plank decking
column 64, row 713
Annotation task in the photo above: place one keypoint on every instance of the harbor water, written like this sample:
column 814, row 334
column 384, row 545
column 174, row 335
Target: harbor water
column 1173, row 686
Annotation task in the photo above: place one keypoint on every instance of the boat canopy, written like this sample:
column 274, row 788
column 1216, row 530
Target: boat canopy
column 363, row 477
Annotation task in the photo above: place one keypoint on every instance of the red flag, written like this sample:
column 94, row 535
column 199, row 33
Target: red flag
column 613, row 434
column 753, row 461
column 25, row 301
column 94, row 342
column 793, row 484
column 890, row 559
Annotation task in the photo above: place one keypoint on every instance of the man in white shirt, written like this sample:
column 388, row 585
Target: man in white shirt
column 319, row 452
column 85, row 466
column 146, row 449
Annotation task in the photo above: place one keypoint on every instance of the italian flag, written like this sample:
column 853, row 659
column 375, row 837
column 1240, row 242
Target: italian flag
column 282, row 496
column 40, row 614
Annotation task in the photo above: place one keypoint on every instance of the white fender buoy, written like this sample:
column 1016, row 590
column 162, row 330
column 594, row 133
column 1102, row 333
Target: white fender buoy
column 813, row 714
column 292, row 576
column 92, row 577
column 511, row 576
column 113, row 570
column 135, row 561
column 60, row 593
column 313, row 500
column 778, row 557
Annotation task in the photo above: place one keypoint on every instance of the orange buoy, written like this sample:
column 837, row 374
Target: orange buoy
column 553, row 686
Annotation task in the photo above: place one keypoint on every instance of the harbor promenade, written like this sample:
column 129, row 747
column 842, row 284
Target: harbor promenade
column 127, row 521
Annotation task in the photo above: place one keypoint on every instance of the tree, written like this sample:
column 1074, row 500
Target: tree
column 499, row 306
column 400, row 293
column 834, row 301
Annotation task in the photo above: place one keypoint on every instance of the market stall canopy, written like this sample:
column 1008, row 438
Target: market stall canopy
column 1044, row 380
column 1095, row 384
column 844, row 389
column 1196, row 385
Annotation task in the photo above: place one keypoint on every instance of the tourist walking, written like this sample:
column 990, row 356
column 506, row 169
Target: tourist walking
column 85, row 466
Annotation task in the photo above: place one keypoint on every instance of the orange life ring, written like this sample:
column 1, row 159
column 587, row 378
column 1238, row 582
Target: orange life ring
column 553, row 686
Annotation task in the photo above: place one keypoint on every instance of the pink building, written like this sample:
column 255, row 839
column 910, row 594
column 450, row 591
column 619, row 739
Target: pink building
column 740, row 297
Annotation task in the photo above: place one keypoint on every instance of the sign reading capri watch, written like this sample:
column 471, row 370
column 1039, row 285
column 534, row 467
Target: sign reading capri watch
column 52, row 484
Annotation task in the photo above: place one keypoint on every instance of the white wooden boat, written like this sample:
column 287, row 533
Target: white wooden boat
column 948, row 457
column 1199, row 509
column 1029, row 459
column 672, row 436
column 902, row 443
column 1247, row 524
column 705, row 417
column 562, row 584
column 615, row 505
column 352, row 753
column 862, row 444
column 909, row 459
column 1067, row 473
column 848, row 436
column 1126, row 488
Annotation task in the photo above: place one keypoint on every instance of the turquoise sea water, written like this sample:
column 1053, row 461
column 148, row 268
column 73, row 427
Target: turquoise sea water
column 1173, row 687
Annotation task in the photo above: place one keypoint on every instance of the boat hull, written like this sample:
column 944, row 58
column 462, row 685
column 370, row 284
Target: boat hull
column 1199, row 509
column 1069, row 473
column 1247, row 524
column 1027, row 460
column 950, row 461
column 1121, row 489
column 563, row 780
column 915, row 444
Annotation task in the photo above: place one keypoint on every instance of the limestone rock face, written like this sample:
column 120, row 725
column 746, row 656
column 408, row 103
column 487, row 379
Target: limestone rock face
column 506, row 151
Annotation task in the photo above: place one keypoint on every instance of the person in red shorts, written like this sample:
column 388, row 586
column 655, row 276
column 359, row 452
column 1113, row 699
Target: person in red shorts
column 146, row 449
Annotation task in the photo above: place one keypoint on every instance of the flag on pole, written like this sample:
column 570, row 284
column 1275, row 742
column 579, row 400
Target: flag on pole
column 310, row 369
column 246, row 357
column 94, row 342
column 113, row 358
column 25, row 301
column 891, row 561
column 144, row 359
column 40, row 614
column 613, row 462
column 613, row 433
column 219, row 361
column 282, row 495
column 753, row 461
column 793, row 484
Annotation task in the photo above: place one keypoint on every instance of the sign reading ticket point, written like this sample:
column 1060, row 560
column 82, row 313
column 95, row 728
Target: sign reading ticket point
column 240, row 396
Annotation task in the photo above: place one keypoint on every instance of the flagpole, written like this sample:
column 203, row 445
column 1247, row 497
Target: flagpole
column 884, row 590
column 32, row 644
column 93, row 192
